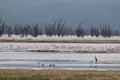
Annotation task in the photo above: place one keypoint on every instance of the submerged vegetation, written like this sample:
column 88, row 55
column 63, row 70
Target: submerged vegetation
column 58, row 28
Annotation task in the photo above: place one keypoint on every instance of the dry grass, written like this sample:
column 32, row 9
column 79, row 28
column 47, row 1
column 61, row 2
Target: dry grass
column 30, row 74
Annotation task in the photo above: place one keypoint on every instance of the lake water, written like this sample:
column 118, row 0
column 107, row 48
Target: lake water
column 59, row 60
column 72, row 11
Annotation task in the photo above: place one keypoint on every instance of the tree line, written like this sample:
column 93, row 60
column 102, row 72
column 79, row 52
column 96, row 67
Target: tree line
column 58, row 28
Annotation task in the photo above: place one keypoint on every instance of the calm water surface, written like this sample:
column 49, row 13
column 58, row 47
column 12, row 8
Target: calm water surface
column 59, row 60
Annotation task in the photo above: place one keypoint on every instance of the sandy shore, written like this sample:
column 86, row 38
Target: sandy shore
column 55, row 74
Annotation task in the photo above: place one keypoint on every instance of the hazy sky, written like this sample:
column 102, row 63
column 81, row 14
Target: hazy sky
column 72, row 11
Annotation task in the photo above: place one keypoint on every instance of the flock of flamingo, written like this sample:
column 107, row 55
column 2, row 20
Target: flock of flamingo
column 55, row 47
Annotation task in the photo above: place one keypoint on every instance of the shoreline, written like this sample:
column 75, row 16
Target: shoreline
column 64, row 39
column 60, row 69
column 59, row 41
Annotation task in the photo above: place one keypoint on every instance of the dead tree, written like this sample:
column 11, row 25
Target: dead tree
column 94, row 31
column 35, row 30
column 60, row 26
column 51, row 29
column 2, row 28
column 80, row 31
column 106, row 31
column 9, row 31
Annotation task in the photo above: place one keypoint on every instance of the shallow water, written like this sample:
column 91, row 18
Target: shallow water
column 58, row 64
column 58, row 59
